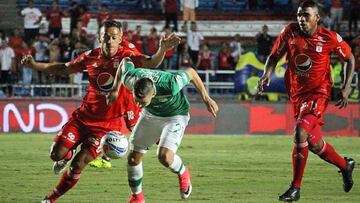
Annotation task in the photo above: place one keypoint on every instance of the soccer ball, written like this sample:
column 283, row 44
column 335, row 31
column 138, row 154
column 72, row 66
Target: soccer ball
column 115, row 145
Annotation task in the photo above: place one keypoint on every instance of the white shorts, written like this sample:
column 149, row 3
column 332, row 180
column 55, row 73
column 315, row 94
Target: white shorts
column 150, row 128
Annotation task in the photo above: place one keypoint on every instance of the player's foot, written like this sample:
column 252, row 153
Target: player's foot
column 137, row 198
column 59, row 166
column 100, row 163
column 347, row 174
column 292, row 194
column 46, row 200
column 185, row 184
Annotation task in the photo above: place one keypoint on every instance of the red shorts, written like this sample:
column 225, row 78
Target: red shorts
column 75, row 133
column 309, row 115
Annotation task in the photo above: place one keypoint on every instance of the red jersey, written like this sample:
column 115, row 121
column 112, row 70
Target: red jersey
column 103, row 16
column 101, row 70
column 308, row 59
column 138, row 41
column 54, row 18
column 223, row 60
column 205, row 59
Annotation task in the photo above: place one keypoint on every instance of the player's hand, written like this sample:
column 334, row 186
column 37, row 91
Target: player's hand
column 211, row 106
column 169, row 42
column 27, row 60
column 264, row 80
column 111, row 97
column 343, row 97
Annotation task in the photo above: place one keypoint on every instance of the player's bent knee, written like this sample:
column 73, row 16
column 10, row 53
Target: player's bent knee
column 134, row 158
column 165, row 158
column 300, row 134
column 57, row 155
column 317, row 147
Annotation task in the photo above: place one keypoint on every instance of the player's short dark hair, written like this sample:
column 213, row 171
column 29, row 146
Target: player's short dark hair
column 112, row 23
column 142, row 87
column 309, row 3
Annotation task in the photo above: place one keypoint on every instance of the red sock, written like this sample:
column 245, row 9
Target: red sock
column 329, row 154
column 68, row 156
column 299, row 158
column 67, row 181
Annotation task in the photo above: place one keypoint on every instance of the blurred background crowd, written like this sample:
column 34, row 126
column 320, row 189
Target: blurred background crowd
column 226, row 41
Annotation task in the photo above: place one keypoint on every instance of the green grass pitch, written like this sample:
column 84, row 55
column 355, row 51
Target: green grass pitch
column 224, row 169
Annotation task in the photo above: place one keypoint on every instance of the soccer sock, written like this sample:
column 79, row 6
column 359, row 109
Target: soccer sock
column 329, row 154
column 299, row 158
column 135, row 175
column 177, row 165
column 67, row 181
column 105, row 157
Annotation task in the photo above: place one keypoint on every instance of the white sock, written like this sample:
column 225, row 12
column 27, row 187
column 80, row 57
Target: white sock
column 135, row 175
column 177, row 165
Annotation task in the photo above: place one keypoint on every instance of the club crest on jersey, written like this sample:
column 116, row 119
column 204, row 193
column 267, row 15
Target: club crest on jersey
column 105, row 81
column 303, row 62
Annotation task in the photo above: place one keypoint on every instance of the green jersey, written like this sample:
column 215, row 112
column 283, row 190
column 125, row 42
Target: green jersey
column 169, row 100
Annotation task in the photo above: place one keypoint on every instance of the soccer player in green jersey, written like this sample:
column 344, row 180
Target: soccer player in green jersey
column 164, row 117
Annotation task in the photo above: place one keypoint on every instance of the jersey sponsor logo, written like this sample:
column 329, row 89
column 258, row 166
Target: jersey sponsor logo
column 303, row 62
column 131, row 45
column 318, row 48
column 105, row 81
column 71, row 137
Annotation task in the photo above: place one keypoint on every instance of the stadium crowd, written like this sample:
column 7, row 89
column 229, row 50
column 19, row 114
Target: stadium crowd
column 52, row 44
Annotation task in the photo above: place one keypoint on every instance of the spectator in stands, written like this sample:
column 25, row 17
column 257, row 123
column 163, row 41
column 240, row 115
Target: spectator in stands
column 15, row 42
column 326, row 21
column 236, row 48
column 7, row 62
column 32, row 18
column 184, row 57
column 225, row 62
column 168, row 60
column 54, row 51
column 74, row 12
column 336, row 13
column 152, row 42
column 194, row 39
column 127, row 33
column 41, row 54
column 205, row 61
column 264, row 43
column 2, row 36
column 103, row 14
column 65, row 49
column 85, row 17
column 137, row 39
column 26, row 72
column 354, row 14
column 54, row 16
column 169, row 9
column 188, row 8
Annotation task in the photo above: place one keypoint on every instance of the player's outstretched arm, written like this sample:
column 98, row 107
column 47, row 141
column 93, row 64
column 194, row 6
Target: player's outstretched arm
column 199, row 85
column 50, row 68
column 165, row 44
column 269, row 67
column 113, row 94
column 349, row 68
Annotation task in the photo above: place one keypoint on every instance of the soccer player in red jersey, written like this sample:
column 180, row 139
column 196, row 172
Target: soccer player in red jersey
column 94, row 118
column 308, row 80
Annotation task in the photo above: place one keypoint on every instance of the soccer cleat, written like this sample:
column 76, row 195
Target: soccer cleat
column 46, row 200
column 137, row 198
column 59, row 166
column 185, row 184
column 347, row 174
column 100, row 163
column 292, row 194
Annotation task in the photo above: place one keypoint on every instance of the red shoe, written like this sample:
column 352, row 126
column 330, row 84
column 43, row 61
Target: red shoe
column 137, row 198
column 185, row 184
